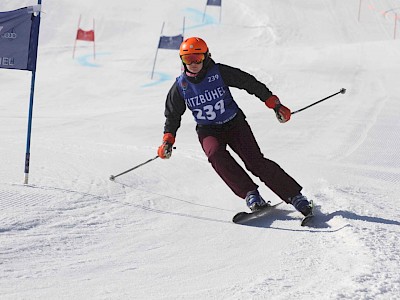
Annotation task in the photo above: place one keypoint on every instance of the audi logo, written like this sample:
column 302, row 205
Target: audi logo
column 9, row 35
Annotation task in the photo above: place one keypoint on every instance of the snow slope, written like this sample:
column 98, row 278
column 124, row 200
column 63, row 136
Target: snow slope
column 163, row 231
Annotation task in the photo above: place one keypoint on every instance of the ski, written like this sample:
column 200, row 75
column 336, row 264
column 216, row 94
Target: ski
column 243, row 217
column 307, row 218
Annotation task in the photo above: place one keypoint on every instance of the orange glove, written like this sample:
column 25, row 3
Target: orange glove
column 282, row 112
column 165, row 150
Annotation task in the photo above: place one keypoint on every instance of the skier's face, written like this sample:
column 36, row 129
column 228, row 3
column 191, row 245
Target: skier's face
column 195, row 68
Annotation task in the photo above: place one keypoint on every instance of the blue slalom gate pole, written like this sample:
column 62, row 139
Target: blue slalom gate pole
column 28, row 137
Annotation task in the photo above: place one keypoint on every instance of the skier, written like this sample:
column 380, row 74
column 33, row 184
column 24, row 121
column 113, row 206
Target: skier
column 203, row 87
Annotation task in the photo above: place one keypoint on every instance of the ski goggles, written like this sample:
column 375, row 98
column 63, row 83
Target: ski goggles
column 196, row 58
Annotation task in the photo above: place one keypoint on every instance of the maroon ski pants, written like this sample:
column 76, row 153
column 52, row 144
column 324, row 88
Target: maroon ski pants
column 239, row 137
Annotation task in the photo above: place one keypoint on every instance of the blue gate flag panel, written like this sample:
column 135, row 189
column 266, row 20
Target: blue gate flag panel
column 170, row 42
column 214, row 2
column 19, row 33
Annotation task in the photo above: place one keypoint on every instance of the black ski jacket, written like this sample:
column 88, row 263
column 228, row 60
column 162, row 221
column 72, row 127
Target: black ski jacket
column 175, row 105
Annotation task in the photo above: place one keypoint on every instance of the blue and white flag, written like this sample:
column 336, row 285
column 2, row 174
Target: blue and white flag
column 214, row 2
column 19, row 33
column 170, row 42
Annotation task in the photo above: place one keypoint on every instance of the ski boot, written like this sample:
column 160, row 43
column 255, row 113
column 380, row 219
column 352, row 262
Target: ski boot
column 254, row 201
column 301, row 203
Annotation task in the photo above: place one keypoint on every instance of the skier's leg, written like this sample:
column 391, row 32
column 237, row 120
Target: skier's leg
column 225, row 165
column 242, row 141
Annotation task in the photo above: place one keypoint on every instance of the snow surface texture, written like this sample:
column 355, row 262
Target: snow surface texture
column 164, row 231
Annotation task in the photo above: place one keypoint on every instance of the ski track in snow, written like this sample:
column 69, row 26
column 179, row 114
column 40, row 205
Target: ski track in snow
column 378, row 237
column 337, row 231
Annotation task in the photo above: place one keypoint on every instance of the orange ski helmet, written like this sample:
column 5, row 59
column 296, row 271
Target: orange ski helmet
column 193, row 45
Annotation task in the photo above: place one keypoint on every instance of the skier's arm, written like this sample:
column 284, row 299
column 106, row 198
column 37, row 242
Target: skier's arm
column 237, row 78
column 174, row 108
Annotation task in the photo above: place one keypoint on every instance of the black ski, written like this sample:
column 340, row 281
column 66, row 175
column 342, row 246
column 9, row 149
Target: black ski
column 243, row 217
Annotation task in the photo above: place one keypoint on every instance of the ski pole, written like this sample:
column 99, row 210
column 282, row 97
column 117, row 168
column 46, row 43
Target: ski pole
column 342, row 91
column 112, row 177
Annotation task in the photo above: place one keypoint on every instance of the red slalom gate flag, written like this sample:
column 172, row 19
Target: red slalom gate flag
column 83, row 35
